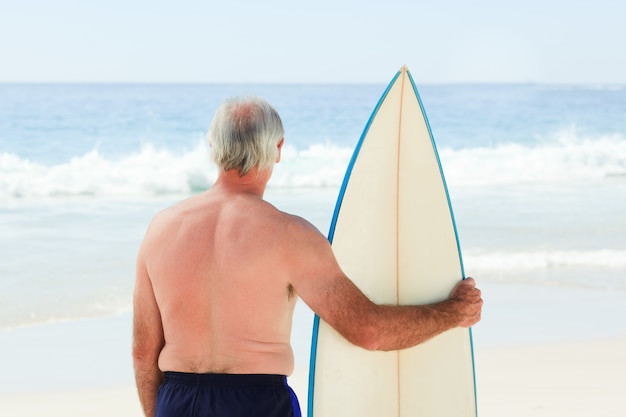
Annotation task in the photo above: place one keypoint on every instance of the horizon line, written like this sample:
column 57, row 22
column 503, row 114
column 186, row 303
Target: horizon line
column 288, row 83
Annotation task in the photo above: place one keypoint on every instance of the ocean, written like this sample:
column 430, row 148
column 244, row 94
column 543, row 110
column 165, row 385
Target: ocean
column 536, row 175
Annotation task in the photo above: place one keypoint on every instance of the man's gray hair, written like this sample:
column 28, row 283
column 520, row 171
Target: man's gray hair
column 244, row 134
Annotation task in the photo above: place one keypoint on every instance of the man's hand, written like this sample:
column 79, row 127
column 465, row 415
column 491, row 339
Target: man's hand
column 470, row 302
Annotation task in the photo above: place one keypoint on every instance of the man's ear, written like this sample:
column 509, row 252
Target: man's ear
column 280, row 148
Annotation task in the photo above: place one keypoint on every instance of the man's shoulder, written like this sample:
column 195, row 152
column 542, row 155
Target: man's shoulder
column 168, row 212
column 300, row 230
column 175, row 212
column 289, row 219
column 301, row 222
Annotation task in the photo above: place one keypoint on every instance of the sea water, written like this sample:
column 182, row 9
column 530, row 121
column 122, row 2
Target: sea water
column 536, row 174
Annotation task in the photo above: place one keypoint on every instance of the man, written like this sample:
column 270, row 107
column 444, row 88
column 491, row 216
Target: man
column 217, row 280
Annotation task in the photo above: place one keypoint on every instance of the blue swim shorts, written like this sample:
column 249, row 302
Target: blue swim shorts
column 225, row 395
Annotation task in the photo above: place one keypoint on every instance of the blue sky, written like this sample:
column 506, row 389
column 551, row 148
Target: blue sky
column 314, row 41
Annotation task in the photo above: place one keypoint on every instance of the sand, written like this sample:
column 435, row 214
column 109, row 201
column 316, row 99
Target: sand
column 559, row 379
column 574, row 379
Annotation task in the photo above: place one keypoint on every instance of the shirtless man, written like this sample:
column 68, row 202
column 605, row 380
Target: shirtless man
column 217, row 280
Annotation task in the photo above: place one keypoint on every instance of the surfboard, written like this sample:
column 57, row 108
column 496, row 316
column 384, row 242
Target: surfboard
column 394, row 235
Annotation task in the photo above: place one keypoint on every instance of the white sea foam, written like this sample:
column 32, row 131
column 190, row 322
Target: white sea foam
column 49, row 316
column 148, row 172
column 601, row 269
column 154, row 172
column 538, row 260
column 566, row 158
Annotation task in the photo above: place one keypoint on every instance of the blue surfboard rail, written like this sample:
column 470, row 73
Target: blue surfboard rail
column 456, row 233
column 331, row 233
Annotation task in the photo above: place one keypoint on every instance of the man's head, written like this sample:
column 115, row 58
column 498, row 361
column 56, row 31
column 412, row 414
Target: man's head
column 245, row 133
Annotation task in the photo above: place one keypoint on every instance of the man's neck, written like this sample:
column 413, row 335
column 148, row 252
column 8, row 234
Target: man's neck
column 254, row 182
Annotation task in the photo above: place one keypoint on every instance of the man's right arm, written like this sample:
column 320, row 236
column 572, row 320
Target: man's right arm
column 329, row 293
column 148, row 338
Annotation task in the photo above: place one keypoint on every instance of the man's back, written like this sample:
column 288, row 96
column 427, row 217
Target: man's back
column 226, row 304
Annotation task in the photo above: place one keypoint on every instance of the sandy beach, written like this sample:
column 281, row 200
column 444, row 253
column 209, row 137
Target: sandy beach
column 571, row 379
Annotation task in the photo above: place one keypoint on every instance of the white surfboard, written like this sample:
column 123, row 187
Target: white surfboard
column 394, row 235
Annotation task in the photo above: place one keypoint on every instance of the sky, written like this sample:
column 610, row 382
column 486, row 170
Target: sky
column 321, row 41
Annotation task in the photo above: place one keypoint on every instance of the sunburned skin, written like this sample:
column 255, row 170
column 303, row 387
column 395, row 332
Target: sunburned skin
column 225, row 307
